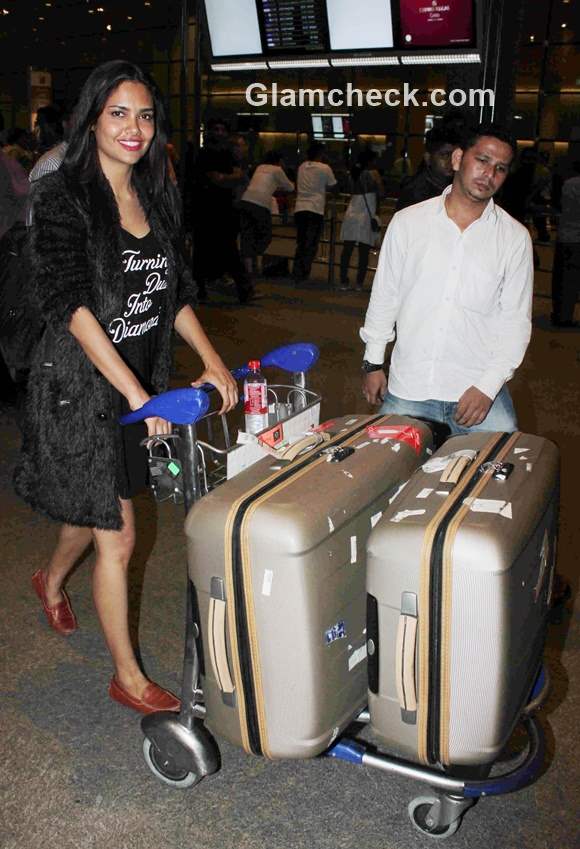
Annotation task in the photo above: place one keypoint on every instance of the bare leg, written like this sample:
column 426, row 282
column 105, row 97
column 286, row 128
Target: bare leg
column 71, row 543
column 114, row 550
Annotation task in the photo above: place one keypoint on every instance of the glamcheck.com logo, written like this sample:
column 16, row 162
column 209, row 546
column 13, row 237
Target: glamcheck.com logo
column 259, row 94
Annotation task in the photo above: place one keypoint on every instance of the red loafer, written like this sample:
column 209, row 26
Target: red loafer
column 61, row 616
column 154, row 698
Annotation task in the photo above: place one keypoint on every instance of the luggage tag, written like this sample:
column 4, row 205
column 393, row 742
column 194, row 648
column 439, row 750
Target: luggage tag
column 399, row 433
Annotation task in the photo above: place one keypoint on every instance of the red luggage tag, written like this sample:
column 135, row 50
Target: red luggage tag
column 272, row 437
column 322, row 427
column 400, row 433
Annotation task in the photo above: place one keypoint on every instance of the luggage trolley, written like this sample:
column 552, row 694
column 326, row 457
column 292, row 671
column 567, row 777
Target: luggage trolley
column 178, row 748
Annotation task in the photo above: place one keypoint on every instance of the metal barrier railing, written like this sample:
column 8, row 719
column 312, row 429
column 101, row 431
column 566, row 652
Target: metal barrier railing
column 329, row 241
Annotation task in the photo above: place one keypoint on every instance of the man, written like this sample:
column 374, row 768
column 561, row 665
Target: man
column 314, row 178
column 455, row 275
column 215, row 223
column 436, row 173
column 566, row 271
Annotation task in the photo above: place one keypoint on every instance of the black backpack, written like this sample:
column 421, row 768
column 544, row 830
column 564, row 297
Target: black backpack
column 21, row 323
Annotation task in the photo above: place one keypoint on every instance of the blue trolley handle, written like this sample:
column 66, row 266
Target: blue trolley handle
column 184, row 406
column 296, row 357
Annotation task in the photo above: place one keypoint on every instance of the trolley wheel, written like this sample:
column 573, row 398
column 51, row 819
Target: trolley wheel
column 418, row 813
column 165, row 769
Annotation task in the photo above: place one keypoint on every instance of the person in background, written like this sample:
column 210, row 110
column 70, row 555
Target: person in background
column 313, row 179
column 110, row 281
column 214, row 217
column 255, row 209
column 357, row 226
column 566, row 270
column 53, row 141
column 19, row 146
column 455, row 277
column 437, row 171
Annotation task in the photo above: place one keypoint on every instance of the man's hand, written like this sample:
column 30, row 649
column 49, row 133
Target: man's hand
column 472, row 407
column 374, row 386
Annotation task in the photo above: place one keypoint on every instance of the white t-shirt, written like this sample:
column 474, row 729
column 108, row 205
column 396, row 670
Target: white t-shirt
column 266, row 180
column 314, row 178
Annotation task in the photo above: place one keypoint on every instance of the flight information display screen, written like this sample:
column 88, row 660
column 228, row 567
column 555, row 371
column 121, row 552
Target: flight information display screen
column 293, row 26
column 274, row 28
column 353, row 26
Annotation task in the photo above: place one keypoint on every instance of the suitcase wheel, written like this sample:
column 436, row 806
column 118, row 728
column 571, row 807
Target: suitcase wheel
column 164, row 768
column 424, row 813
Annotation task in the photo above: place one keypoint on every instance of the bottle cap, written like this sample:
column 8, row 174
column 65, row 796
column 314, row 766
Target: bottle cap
column 254, row 365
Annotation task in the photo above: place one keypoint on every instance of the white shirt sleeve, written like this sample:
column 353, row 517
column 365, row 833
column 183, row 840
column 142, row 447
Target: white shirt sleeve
column 514, row 323
column 283, row 182
column 379, row 326
column 330, row 178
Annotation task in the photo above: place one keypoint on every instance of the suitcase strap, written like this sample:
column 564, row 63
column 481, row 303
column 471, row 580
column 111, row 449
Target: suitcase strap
column 434, row 610
column 241, row 627
column 447, row 600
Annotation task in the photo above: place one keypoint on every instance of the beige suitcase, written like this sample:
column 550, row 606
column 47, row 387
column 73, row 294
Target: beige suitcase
column 459, row 578
column 277, row 556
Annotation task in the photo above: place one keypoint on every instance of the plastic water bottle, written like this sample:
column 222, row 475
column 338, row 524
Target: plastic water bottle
column 255, row 399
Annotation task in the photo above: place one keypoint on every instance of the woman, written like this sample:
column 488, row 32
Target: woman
column 357, row 225
column 112, row 285
column 255, row 210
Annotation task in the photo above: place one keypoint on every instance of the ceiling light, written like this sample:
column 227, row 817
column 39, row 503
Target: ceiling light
column 365, row 60
column 129, row 17
column 241, row 66
column 100, row 9
column 563, row 26
column 5, row 12
column 40, row 18
column 299, row 63
column 109, row 27
column 441, row 59
column 532, row 38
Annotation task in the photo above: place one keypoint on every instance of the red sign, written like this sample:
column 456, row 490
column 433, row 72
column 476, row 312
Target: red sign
column 436, row 23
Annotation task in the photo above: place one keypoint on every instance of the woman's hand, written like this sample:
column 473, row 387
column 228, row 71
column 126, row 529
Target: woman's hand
column 158, row 427
column 217, row 374
column 155, row 425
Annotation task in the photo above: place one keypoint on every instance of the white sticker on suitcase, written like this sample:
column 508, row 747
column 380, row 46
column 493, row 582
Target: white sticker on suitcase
column 529, row 467
column 520, row 450
column 330, row 524
column 404, row 514
column 425, row 493
column 267, row 582
column 490, row 505
column 394, row 495
column 357, row 657
column 375, row 518
column 352, row 421
column 353, row 549
column 361, row 445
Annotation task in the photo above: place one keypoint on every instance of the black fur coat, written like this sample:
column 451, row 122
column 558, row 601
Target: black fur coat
column 67, row 467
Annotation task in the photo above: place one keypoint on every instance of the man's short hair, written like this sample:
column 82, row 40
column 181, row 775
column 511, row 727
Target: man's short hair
column 473, row 134
column 440, row 137
column 315, row 150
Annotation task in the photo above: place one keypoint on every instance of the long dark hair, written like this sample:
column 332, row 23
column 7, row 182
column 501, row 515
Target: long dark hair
column 365, row 158
column 81, row 160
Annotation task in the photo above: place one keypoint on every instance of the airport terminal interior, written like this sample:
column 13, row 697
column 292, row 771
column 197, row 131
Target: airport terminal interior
column 73, row 774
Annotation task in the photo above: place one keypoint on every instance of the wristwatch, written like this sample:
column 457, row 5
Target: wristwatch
column 368, row 367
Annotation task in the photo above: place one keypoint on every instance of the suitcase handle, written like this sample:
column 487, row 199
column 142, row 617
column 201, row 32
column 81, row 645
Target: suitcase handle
column 405, row 648
column 454, row 469
column 217, row 641
column 311, row 440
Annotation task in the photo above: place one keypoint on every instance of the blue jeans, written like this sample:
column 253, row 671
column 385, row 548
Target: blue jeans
column 501, row 415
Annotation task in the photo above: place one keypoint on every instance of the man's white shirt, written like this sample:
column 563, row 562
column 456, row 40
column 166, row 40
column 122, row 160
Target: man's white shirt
column 313, row 179
column 461, row 302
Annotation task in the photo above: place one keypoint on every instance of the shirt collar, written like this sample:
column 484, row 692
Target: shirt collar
column 489, row 210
